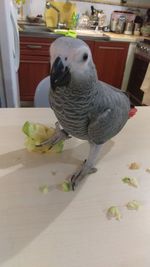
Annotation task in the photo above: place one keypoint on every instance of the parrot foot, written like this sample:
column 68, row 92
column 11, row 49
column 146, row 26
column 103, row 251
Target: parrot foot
column 58, row 136
column 84, row 170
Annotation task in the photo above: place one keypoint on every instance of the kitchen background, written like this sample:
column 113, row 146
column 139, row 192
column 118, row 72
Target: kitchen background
column 24, row 54
column 140, row 17
column 34, row 7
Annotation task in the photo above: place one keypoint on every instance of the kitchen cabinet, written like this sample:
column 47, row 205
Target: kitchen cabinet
column 34, row 64
column 90, row 44
column 110, row 60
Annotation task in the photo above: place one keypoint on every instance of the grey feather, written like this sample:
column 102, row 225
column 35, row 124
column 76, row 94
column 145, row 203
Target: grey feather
column 87, row 108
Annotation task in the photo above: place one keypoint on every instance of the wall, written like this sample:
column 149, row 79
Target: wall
column 34, row 7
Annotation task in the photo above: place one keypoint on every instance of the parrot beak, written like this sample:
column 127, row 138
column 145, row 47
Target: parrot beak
column 60, row 75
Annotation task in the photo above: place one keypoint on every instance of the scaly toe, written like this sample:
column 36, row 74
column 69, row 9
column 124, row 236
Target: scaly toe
column 75, row 178
column 80, row 174
column 92, row 170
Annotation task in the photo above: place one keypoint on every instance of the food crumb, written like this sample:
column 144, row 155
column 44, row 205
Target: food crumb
column 44, row 189
column 134, row 166
column 66, row 187
column 148, row 170
column 53, row 173
column 133, row 205
column 113, row 212
column 130, row 181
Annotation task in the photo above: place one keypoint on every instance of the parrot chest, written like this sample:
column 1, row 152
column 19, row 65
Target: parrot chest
column 72, row 113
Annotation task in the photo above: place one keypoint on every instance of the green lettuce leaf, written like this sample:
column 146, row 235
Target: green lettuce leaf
column 36, row 133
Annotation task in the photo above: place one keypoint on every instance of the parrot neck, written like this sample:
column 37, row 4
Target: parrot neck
column 81, row 87
column 83, row 84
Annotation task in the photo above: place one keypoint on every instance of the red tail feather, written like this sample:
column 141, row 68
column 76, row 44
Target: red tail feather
column 132, row 112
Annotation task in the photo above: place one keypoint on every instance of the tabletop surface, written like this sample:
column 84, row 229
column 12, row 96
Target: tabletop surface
column 71, row 229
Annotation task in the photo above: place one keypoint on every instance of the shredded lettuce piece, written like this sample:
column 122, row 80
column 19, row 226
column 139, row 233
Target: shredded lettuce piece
column 37, row 133
column 66, row 187
column 59, row 147
column 114, row 212
column 130, row 181
column 44, row 189
column 133, row 205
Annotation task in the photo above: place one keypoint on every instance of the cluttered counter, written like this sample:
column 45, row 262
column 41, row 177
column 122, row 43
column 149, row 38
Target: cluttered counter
column 56, row 228
column 84, row 34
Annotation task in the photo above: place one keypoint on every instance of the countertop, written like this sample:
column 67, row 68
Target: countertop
column 84, row 34
column 71, row 229
column 90, row 35
column 112, row 36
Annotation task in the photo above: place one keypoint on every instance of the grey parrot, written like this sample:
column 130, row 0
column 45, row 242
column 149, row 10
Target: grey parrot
column 85, row 107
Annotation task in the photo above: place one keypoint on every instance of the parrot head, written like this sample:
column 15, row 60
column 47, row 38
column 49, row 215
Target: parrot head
column 71, row 60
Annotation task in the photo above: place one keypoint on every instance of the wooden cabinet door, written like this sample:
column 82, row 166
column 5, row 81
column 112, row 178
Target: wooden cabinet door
column 34, row 64
column 110, row 59
column 90, row 44
column 31, row 72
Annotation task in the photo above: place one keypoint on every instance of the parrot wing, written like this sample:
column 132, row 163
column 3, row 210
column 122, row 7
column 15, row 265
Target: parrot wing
column 98, row 130
column 104, row 126
column 110, row 113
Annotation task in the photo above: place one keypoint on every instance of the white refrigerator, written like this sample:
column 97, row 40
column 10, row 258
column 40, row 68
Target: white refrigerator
column 9, row 55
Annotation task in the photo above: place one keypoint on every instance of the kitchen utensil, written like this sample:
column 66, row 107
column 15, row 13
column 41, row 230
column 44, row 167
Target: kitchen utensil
column 101, row 20
column 84, row 22
column 129, row 27
column 118, row 18
column 137, row 28
column 37, row 19
column 120, row 24
column 93, row 18
column 66, row 11
column 145, row 30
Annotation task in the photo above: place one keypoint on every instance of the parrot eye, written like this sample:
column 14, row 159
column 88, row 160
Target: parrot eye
column 85, row 56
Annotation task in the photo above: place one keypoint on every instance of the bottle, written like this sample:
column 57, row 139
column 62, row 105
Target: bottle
column 137, row 29
column 121, row 24
column 129, row 27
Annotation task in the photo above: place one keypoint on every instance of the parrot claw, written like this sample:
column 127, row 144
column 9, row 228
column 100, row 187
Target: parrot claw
column 84, row 170
column 58, row 136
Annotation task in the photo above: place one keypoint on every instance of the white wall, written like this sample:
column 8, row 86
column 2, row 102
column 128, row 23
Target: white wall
column 34, row 7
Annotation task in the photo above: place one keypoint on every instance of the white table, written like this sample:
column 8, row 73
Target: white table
column 71, row 229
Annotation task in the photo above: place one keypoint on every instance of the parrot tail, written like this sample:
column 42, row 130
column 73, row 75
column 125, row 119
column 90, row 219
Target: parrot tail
column 132, row 111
